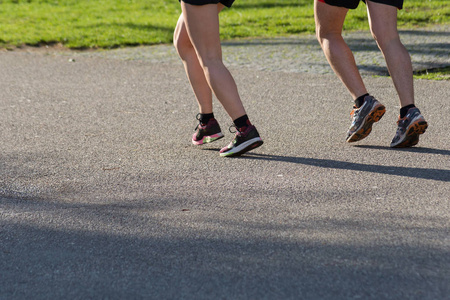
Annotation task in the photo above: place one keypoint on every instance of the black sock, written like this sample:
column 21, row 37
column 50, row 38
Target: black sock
column 404, row 110
column 204, row 118
column 241, row 121
column 360, row 100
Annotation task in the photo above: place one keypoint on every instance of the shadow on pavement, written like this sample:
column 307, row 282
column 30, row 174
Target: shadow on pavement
column 209, row 258
column 433, row 174
column 410, row 149
column 425, row 32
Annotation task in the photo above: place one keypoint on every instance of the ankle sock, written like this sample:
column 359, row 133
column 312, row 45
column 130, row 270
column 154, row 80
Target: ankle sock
column 404, row 110
column 360, row 100
column 204, row 118
column 242, row 122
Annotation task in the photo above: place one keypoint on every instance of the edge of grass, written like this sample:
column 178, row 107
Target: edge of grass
column 434, row 74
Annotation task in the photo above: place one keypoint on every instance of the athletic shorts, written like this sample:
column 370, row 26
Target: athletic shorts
column 352, row 4
column 227, row 3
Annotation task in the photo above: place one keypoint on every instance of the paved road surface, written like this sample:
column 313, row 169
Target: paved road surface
column 102, row 195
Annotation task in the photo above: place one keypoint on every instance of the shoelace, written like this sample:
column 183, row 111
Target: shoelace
column 401, row 122
column 199, row 123
column 354, row 111
column 237, row 131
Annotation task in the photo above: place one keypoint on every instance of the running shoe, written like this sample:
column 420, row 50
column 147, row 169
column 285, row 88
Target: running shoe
column 207, row 133
column 363, row 118
column 244, row 141
column 409, row 128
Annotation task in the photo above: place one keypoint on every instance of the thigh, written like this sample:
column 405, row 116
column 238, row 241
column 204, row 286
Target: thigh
column 328, row 18
column 382, row 20
column 180, row 36
column 395, row 3
column 202, row 26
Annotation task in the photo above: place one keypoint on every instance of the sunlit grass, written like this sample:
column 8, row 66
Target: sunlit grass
column 435, row 74
column 114, row 23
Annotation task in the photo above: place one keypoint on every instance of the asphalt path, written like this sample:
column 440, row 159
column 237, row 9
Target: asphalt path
column 103, row 196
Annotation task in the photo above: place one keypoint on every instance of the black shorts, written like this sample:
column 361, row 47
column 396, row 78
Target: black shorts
column 227, row 3
column 352, row 4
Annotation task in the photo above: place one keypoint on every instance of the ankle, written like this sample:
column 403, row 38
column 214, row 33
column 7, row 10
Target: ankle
column 404, row 110
column 204, row 118
column 360, row 100
column 241, row 123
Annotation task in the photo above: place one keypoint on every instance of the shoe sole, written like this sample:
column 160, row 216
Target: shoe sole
column 245, row 147
column 208, row 139
column 412, row 134
column 374, row 116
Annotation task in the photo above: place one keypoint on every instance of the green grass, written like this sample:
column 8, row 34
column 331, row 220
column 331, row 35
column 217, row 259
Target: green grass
column 87, row 23
column 114, row 23
column 434, row 74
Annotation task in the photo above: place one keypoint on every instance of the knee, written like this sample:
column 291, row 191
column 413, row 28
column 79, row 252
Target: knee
column 209, row 63
column 384, row 38
column 183, row 46
column 181, row 42
column 327, row 38
column 320, row 35
column 325, row 33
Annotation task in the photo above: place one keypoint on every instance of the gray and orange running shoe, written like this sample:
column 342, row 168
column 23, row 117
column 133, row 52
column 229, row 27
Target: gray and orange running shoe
column 245, row 140
column 206, row 133
column 409, row 128
column 363, row 118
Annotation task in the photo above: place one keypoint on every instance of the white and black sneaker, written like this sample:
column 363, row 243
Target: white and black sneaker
column 409, row 128
column 363, row 118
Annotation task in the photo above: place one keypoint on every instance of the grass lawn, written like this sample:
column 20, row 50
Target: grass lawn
column 435, row 74
column 113, row 23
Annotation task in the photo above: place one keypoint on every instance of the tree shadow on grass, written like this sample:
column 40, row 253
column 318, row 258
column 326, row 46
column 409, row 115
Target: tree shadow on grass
column 130, row 25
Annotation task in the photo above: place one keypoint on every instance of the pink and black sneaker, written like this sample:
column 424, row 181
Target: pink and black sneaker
column 246, row 139
column 207, row 133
